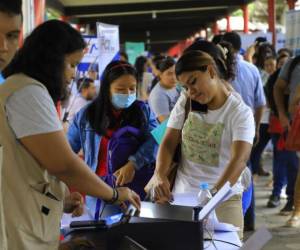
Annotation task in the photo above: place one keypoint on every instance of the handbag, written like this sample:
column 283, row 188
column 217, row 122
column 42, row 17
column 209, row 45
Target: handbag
column 172, row 171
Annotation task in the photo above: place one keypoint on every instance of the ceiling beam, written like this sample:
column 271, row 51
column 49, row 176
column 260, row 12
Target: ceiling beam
column 149, row 19
column 119, row 9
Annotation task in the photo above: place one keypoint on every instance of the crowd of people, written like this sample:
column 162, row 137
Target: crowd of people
column 221, row 109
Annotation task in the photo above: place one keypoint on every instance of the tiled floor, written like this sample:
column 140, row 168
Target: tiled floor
column 283, row 238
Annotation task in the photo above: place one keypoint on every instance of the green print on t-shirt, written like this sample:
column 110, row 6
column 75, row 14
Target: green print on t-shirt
column 201, row 141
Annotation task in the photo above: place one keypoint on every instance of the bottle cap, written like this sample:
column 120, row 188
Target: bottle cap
column 204, row 186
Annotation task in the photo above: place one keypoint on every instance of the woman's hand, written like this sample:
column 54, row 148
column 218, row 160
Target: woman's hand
column 284, row 121
column 126, row 194
column 159, row 188
column 250, row 53
column 125, row 174
column 74, row 204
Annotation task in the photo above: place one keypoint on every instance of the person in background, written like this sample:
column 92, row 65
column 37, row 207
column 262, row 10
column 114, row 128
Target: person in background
column 294, row 220
column 216, row 136
column 217, row 39
column 288, row 83
column 164, row 95
column 34, row 174
column 251, row 52
column 285, row 51
column 281, row 60
column 123, row 56
column 270, row 64
column 266, row 64
column 144, row 78
column 264, row 50
column 154, row 64
column 86, row 93
column 285, row 163
column 95, row 125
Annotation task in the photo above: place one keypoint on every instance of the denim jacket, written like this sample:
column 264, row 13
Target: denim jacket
column 82, row 136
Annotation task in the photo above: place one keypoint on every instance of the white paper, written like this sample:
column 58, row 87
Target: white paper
column 185, row 199
column 190, row 199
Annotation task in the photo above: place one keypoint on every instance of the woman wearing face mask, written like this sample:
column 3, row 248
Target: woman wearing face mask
column 37, row 159
column 216, row 139
column 164, row 95
column 95, row 126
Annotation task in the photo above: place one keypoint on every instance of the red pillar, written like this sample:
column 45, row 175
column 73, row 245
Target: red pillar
column 271, row 10
column 291, row 4
column 39, row 11
column 228, row 27
column 215, row 28
column 246, row 18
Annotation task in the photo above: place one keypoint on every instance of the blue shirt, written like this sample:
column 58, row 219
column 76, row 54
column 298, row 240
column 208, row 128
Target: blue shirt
column 82, row 135
column 1, row 79
column 248, row 84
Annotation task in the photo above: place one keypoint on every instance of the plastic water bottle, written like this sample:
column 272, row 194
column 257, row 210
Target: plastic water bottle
column 203, row 198
column 204, row 194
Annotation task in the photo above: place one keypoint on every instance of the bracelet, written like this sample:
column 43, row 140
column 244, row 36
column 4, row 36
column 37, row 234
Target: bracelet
column 114, row 198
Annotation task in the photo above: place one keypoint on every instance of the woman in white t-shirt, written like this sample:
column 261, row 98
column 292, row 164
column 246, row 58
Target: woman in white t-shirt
column 216, row 138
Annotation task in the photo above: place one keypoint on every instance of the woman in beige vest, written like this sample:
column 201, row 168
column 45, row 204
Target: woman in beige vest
column 37, row 159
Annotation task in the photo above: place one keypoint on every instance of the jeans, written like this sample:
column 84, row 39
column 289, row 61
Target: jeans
column 264, row 138
column 231, row 212
column 246, row 199
column 285, row 169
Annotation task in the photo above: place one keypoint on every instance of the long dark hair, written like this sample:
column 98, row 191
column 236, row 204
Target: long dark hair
column 295, row 61
column 140, row 67
column 222, row 56
column 264, row 50
column 42, row 56
column 100, row 111
column 166, row 63
column 156, row 60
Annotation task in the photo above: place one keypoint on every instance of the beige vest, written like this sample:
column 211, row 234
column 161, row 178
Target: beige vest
column 32, row 198
column 3, row 242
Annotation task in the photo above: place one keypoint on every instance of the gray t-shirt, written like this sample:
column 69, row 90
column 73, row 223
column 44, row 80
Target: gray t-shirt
column 31, row 111
column 295, row 77
column 162, row 100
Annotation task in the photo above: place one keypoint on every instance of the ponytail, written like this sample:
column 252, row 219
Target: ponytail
column 229, row 60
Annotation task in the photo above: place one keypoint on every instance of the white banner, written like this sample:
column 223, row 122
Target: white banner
column 248, row 39
column 89, row 65
column 109, row 44
column 293, row 30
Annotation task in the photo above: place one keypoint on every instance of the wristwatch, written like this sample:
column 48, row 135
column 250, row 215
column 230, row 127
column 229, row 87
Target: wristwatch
column 213, row 191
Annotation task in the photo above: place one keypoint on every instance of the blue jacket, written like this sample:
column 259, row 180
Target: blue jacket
column 82, row 136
